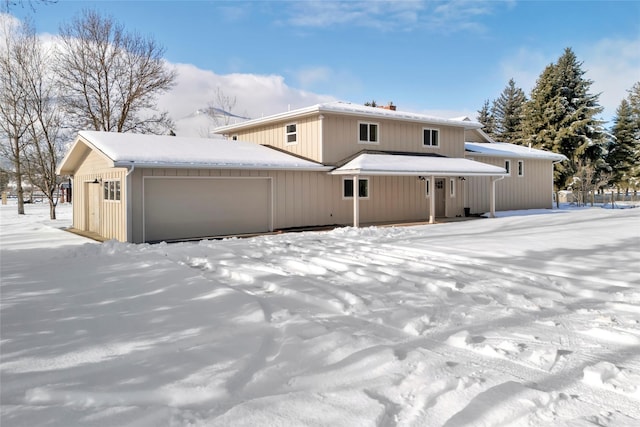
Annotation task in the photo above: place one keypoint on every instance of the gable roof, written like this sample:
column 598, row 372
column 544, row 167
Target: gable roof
column 505, row 149
column 347, row 108
column 152, row 151
column 415, row 165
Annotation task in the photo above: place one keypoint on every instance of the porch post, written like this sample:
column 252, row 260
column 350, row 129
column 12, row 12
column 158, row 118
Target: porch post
column 492, row 198
column 432, row 199
column 356, row 201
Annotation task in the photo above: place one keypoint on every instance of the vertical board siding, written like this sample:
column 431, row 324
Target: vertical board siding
column 341, row 138
column 531, row 191
column 113, row 214
column 308, row 131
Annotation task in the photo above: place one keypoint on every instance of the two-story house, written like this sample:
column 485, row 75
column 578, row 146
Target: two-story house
column 328, row 164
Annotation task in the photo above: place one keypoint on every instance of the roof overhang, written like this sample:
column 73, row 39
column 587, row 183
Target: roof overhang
column 79, row 150
column 161, row 151
column 350, row 109
column 416, row 165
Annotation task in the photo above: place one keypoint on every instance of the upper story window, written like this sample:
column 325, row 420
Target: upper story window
column 431, row 137
column 291, row 131
column 363, row 188
column 520, row 167
column 507, row 166
column 112, row 190
column 368, row 133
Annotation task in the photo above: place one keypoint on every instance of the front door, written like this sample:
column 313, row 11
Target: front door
column 93, row 207
column 440, row 197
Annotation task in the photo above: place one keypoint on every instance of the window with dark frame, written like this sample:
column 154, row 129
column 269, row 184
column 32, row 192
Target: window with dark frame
column 291, row 133
column 368, row 133
column 431, row 137
column 520, row 168
column 507, row 166
column 363, row 188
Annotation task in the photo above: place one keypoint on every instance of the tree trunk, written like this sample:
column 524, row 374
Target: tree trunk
column 18, row 176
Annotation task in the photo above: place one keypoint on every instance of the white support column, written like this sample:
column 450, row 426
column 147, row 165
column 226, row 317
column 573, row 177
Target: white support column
column 356, row 201
column 432, row 199
column 492, row 198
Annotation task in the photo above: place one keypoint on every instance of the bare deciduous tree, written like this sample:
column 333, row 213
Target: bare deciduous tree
column 14, row 115
column 45, row 138
column 111, row 78
column 220, row 109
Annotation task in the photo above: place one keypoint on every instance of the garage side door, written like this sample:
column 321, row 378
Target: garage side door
column 181, row 208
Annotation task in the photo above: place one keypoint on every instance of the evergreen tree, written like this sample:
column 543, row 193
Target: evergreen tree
column 561, row 117
column 623, row 148
column 486, row 118
column 508, row 113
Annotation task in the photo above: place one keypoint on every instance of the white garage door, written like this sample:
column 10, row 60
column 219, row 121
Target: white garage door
column 182, row 208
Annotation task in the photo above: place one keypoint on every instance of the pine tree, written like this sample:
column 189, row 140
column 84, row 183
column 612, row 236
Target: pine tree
column 561, row 117
column 508, row 113
column 486, row 118
column 622, row 153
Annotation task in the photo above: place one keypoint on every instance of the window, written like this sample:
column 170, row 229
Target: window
column 427, row 186
column 430, row 137
column 520, row 167
column 291, row 133
column 507, row 166
column 112, row 190
column 234, row 137
column 368, row 133
column 363, row 188
column 452, row 187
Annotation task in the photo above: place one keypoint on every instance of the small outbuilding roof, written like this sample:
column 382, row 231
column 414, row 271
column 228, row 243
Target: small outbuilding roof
column 505, row 149
column 416, row 165
column 153, row 151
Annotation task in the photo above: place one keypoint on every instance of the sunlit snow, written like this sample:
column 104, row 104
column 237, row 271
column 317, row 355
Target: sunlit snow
column 529, row 319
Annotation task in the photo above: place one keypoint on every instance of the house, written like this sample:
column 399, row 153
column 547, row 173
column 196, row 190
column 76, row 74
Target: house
column 328, row 164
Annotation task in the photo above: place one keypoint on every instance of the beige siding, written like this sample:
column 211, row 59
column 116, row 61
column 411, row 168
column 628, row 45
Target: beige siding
column 274, row 134
column 112, row 213
column 533, row 190
column 302, row 199
column 341, row 138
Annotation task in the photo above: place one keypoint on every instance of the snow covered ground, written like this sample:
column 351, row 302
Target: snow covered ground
column 530, row 319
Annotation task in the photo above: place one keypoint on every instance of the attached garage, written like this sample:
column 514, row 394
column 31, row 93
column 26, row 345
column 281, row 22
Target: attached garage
column 151, row 188
column 188, row 207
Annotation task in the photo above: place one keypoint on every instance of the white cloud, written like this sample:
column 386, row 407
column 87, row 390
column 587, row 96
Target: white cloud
column 256, row 95
column 614, row 66
column 389, row 15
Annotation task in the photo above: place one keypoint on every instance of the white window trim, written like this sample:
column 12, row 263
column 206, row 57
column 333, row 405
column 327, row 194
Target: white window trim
column 508, row 161
column 431, row 145
column 287, row 133
column 377, row 141
column 359, row 197
column 521, row 168
column 111, row 185
column 452, row 187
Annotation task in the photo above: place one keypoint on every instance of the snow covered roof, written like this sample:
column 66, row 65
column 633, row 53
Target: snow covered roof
column 126, row 149
column 505, row 149
column 406, row 164
column 347, row 108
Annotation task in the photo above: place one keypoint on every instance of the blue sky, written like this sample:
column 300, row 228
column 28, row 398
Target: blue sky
column 435, row 57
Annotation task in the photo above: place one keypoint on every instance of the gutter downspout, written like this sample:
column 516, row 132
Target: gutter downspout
column 492, row 196
column 129, row 216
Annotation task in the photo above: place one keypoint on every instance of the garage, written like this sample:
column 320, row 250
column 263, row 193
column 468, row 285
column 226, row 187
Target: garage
column 190, row 207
